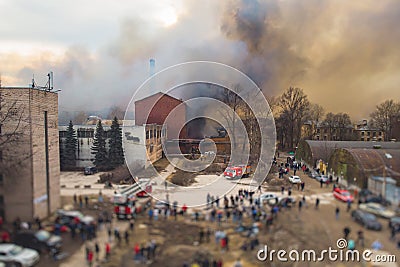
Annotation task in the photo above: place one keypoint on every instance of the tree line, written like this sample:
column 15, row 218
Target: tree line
column 293, row 109
column 105, row 157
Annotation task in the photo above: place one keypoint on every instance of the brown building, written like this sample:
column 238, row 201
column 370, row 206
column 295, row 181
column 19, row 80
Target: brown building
column 357, row 165
column 395, row 123
column 367, row 133
column 155, row 109
column 29, row 153
column 321, row 131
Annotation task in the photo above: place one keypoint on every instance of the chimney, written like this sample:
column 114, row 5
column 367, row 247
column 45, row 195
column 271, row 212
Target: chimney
column 152, row 67
column 151, row 73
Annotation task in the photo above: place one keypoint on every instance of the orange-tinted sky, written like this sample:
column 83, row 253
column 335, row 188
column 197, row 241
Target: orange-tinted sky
column 344, row 54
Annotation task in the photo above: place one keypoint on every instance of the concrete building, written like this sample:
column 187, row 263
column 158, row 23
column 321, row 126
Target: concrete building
column 30, row 167
column 143, row 143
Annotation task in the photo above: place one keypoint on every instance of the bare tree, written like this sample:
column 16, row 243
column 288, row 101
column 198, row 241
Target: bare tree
column 343, row 122
column 294, row 105
column 233, row 100
column 316, row 112
column 80, row 118
column 381, row 117
column 314, row 116
column 338, row 125
column 116, row 111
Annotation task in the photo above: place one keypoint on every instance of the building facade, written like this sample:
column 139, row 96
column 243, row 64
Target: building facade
column 143, row 143
column 30, row 166
column 395, row 133
column 155, row 109
column 365, row 132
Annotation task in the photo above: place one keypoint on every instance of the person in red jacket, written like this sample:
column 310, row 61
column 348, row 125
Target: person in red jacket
column 108, row 250
column 5, row 237
column 184, row 208
column 90, row 258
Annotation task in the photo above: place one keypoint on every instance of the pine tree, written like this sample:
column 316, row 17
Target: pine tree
column 116, row 153
column 69, row 151
column 99, row 148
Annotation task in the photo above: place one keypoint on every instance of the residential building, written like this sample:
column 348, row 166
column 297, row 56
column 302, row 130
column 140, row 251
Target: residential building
column 365, row 132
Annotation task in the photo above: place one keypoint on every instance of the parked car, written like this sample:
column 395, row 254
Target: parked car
column 90, row 170
column 67, row 216
column 313, row 174
column 375, row 199
column 288, row 201
column 324, row 178
column 366, row 219
column 10, row 263
column 41, row 241
column 377, row 209
column 365, row 192
column 25, row 256
column 267, row 196
column 342, row 195
column 394, row 221
column 294, row 179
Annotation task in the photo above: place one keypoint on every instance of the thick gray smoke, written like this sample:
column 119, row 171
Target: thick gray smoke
column 344, row 54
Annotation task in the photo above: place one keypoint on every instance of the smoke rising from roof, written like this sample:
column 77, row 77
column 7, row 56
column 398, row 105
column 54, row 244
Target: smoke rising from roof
column 344, row 54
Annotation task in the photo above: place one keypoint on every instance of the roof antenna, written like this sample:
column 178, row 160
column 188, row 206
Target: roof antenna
column 33, row 81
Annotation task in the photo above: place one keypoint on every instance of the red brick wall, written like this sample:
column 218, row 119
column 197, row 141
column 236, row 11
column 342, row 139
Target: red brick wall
column 156, row 108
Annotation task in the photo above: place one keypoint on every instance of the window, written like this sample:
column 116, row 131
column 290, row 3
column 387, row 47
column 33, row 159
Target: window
column 362, row 133
column 0, row 128
column 85, row 133
column 1, row 178
column 368, row 133
column 147, row 134
column 1, row 156
column 1, row 200
column 373, row 134
column 63, row 134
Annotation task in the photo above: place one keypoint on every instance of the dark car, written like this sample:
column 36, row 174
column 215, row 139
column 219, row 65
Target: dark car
column 90, row 170
column 10, row 264
column 366, row 219
column 375, row 199
column 365, row 193
column 40, row 241
column 395, row 222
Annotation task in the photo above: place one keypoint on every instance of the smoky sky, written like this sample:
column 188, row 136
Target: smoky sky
column 344, row 54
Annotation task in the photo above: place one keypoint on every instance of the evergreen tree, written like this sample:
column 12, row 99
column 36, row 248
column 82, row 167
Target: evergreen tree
column 70, row 144
column 99, row 148
column 116, row 153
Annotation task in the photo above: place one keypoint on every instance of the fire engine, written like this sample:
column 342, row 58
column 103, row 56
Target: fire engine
column 125, row 200
column 237, row 172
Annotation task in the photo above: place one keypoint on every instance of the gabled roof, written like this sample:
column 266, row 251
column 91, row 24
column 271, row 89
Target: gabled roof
column 159, row 95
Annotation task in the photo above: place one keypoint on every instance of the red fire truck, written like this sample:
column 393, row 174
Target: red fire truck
column 125, row 200
column 237, row 172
